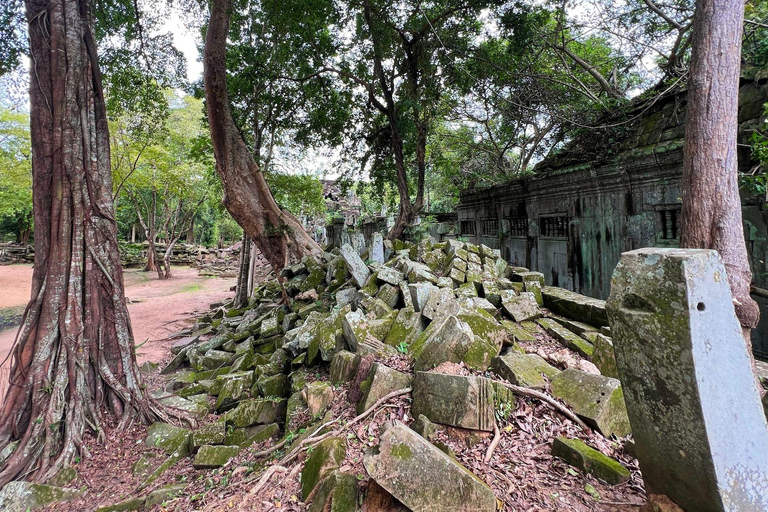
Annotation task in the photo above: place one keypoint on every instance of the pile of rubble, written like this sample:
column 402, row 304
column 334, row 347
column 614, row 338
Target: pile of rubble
column 223, row 262
column 16, row 253
column 452, row 326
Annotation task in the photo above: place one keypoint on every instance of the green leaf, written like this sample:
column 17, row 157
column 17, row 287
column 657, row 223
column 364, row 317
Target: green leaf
column 590, row 489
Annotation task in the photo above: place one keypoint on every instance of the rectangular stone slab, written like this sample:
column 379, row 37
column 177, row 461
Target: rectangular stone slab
column 424, row 478
column 700, row 431
column 455, row 400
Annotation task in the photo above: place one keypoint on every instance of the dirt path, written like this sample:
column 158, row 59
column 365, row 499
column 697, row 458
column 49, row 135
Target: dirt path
column 157, row 308
column 15, row 281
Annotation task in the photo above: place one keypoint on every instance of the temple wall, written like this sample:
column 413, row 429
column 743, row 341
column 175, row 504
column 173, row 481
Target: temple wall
column 574, row 218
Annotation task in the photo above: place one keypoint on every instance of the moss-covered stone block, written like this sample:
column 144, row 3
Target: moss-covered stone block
column 522, row 307
column 213, row 433
column 210, row 457
column 212, row 360
column 451, row 339
column 389, row 295
column 163, row 494
column 192, row 389
column 272, row 386
column 233, row 391
column 528, row 276
column 534, row 287
column 326, row 457
column 567, row 338
column 220, row 381
column 327, row 335
column 424, row 478
column 517, row 333
column 337, row 492
column 575, row 306
column 212, row 374
column 168, row 437
column 24, row 496
column 597, row 399
column 343, row 367
column 456, row 400
column 257, row 411
column 603, row 356
column 425, row 427
column 297, row 415
column 246, row 436
column 407, row 325
column 381, row 381
column 317, row 395
column 523, row 369
column 576, row 453
column 355, row 328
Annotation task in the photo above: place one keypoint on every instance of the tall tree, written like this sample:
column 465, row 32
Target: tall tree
column 711, row 214
column 153, row 164
column 278, row 235
column 15, row 174
column 74, row 358
column 400, row 63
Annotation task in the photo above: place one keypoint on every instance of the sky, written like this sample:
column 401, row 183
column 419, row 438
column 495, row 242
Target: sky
column 186, row 41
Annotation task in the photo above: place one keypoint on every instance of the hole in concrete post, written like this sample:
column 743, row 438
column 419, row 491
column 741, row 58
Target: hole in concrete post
column 700, row 306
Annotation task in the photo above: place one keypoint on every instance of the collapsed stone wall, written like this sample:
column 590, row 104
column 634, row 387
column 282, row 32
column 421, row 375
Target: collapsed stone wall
column 450, row 324
column 16, row 253
column 608, row 193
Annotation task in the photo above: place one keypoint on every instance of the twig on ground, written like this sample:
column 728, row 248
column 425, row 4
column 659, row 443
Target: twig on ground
column 314, row 439
column 494, row 443
column 547, row 399
column 264, row 479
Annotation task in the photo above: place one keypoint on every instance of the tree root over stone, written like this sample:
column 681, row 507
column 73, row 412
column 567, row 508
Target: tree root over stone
column 313, row 440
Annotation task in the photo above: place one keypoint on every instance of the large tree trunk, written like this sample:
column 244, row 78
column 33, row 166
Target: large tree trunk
column 711, row 215
column 247, row 197
column 74, row 359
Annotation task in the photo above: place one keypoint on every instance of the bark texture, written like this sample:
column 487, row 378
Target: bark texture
column 74, row 359
column 711, row 214
column 243, row 275
column 277, row 234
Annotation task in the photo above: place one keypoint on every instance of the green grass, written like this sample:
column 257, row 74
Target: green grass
column 191, row 287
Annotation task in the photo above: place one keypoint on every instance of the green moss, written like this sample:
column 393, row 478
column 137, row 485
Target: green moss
column 398, row 332
column 576, row 453
column 130, row 504
column 235, row 312
column 345, row 494
column 326, row 457
column 365, row 385
column 401, row 451
column 370, row 287
column 478, row 355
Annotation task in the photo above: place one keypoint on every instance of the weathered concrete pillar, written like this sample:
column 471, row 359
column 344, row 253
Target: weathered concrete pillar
column 701, row 435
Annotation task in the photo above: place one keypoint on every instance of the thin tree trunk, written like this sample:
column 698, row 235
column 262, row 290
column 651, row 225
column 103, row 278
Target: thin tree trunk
column 241, row 295
column 167, row 261
column 247, row 197
column 74, row 359
column 153, row 262
column 711, row 214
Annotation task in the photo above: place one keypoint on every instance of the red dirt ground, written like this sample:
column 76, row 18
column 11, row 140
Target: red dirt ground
column 157, row 308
